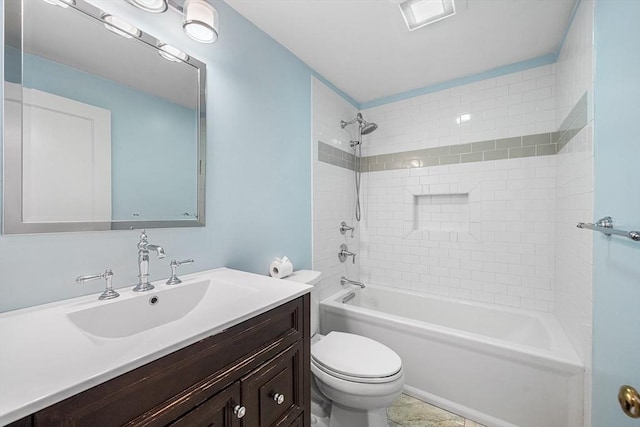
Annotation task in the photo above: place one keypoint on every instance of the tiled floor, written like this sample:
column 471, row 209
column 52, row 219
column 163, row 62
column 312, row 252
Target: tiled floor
column 410, row 412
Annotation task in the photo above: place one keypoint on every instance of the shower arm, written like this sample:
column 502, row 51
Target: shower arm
column 344, row 124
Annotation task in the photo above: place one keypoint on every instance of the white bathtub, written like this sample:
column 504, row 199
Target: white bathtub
column 497, row 366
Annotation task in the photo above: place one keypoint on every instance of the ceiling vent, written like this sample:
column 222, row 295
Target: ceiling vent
column 418, row 13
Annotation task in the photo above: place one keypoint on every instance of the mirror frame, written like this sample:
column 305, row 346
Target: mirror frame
column 12, row 152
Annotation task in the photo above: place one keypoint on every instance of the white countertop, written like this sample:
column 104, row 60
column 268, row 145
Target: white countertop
column 45, row 358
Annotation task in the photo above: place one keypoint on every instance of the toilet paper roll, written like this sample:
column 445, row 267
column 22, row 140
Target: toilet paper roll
column 281, row 268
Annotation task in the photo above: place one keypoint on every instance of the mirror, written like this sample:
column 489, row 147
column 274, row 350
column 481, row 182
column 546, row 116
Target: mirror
column 104, row 124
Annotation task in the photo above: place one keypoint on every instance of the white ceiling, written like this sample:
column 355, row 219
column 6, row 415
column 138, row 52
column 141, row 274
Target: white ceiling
column 364, row 48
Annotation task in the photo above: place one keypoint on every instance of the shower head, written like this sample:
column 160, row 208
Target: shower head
column 365, row 127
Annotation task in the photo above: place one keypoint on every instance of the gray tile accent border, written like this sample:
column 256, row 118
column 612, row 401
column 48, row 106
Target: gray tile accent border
column 515, row 153
column 539, row 139
column 508, row 143
column 497, row 154
column 483, row 146
column 336, row 157
column 540, row 144
column 471, row 157
column 575, row 121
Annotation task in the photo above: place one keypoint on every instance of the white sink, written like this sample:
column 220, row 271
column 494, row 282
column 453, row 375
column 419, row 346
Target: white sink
column 122, row 318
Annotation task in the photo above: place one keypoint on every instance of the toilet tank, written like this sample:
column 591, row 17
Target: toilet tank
column 310, row 277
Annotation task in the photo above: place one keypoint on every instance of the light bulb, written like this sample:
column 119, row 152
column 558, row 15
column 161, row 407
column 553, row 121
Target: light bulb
column 120, row 27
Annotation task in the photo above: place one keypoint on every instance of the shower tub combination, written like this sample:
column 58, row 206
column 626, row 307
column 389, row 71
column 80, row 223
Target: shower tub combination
column 498, row 366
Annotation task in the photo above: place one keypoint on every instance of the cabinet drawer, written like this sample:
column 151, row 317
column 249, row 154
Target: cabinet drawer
column 273, row 394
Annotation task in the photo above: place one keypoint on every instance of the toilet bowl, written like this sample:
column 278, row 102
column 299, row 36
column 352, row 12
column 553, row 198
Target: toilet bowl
column 355, row 377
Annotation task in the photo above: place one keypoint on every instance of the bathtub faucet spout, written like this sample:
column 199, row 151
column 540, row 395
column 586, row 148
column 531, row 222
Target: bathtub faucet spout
column 345, row 281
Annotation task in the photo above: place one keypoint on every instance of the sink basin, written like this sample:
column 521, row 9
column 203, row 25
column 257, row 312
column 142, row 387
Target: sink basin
column 122, row 318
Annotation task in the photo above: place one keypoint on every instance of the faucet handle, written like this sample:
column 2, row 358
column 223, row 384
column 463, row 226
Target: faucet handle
column 343, row 253
column 344, row 228
column 108, row 293
column 174, row 280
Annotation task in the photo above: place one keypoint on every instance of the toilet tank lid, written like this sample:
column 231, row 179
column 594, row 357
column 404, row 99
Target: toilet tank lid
column 310, row 277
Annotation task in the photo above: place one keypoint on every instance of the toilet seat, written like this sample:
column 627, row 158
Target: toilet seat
column 356, row 358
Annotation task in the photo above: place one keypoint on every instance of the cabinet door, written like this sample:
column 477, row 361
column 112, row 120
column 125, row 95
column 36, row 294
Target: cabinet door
column 217, row 411
column 298, row 422
column 273, row 394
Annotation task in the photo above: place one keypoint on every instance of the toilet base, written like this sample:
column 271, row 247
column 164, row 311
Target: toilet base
column 327, row 414
column 349, row 417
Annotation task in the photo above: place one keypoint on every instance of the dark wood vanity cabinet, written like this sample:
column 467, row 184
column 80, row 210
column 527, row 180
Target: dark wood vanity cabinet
column 259, row 367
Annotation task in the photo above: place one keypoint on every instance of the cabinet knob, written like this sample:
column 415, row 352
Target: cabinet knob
column 239, row 411
column 279, row 398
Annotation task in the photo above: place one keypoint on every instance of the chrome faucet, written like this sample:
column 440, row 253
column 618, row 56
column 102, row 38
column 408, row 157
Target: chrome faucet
column 345, row 281
column 143, row 262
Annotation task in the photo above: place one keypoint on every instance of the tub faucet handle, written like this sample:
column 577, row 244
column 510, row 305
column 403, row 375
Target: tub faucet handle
column 343, row 253
column 344, row 228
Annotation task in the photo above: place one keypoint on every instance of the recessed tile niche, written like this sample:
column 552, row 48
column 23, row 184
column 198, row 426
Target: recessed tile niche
column 441, row 212
column 452, row 216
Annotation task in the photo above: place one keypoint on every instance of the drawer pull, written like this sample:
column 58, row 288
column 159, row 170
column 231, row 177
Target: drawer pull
column 239, row 411
column 279, row 398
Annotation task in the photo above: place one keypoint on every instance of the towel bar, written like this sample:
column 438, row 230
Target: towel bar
column 605, row 225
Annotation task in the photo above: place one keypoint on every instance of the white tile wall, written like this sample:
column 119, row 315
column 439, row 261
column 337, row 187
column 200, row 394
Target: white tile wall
column 506, row 257
column 575, row 62
column 574, row 261
column 521, row 103
column 329, row 109
column 333, row 191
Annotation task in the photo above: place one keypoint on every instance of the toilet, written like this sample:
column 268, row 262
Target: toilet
column 355, row 378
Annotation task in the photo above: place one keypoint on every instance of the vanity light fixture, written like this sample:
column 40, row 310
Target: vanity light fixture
column 61, row 3
column 120, row 27
column 153, row 6
column 171, row 53
column 200, row 21
column 418, row 13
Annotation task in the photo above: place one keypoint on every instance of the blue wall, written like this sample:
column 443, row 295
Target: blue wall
column 258, row 175
column 616, row 285
column 154, row 163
